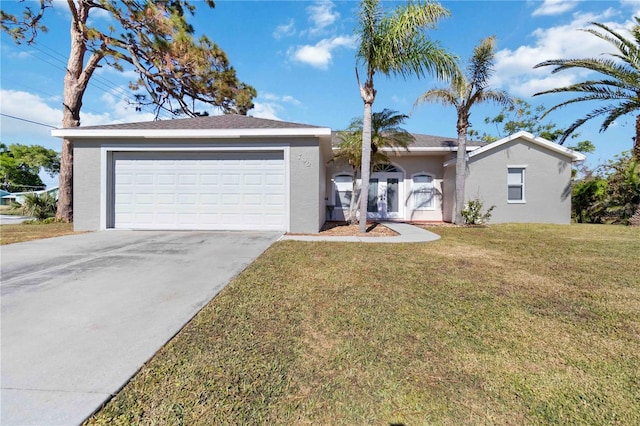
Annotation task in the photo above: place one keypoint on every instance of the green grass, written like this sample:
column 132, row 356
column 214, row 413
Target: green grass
column 511, row 324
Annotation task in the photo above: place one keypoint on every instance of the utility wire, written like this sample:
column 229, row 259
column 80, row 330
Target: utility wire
column 28, row 121
column 97, row 81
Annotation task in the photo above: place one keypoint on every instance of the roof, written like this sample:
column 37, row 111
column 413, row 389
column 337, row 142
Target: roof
column 217, row 126
column 228, row 121
column 423, row 143
column 552, row 146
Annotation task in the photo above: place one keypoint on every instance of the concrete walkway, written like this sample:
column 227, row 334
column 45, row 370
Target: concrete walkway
column 408, row 234
column 82, row 313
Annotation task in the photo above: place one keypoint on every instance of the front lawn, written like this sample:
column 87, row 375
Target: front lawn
column 511, row 324
column 18, row 233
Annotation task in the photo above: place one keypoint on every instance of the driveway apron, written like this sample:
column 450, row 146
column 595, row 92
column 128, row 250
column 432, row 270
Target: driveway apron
column 82, row 313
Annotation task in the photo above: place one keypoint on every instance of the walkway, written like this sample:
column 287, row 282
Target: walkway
column 407, row 234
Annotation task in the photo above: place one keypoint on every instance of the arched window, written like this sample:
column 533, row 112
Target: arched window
column 423, row 192
column 389, row 168
column 342, row 187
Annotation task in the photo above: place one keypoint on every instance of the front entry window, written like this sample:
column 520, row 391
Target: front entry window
column 343, row 189
column 392, row 195
column 423, row 192
column 372, row 200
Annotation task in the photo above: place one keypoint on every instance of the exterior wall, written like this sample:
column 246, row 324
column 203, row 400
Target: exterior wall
column 304, row 180
column 449, row 190
column 92, row 179
column 86, row 186
column 547, row 183
column 410, row 164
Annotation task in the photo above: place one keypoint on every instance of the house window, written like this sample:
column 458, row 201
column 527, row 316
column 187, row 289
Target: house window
column 423, row 192
column 342, row 186
column 515, row 184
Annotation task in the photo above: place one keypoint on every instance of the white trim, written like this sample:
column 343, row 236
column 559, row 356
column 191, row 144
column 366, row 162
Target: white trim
column 105, row 209
column 79, row 132
column 433, row 186
column 524, row 179
column 332, row 197
column 575, row 156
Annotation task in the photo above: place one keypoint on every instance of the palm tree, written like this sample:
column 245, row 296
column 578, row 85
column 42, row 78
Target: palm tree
column 620, row 82
column 395, row 44
column 465, row 91
column 385, row 132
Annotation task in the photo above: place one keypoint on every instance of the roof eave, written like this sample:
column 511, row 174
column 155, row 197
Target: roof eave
column 79, row 132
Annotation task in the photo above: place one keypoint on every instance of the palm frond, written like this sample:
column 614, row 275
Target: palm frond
column 444, row 96
column 621, row 82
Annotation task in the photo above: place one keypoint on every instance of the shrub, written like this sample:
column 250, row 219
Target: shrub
column 610, row 195
column 40, row 206
column 472, row 213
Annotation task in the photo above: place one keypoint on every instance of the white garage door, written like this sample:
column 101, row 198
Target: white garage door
column 222, row 191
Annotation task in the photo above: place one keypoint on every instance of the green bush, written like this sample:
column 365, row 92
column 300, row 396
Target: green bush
column 472, row 213
column 40, row 206
column 610, row 195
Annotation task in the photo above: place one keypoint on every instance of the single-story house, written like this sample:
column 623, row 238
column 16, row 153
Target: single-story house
column 18, row 197
column 235, row 172
column 3, row 201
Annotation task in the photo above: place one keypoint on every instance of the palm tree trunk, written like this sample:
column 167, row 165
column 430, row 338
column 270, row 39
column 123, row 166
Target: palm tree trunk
column 461, row 171
column 365, row 172
column 636, row 141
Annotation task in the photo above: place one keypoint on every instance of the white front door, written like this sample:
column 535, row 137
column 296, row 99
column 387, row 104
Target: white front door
column 385, row 196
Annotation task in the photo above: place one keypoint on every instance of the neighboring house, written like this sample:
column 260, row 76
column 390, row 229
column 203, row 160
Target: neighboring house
column 18, row 197
column 4, row 201
column 235, row 172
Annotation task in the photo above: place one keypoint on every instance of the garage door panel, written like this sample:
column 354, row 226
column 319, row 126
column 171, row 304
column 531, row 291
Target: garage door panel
column 199, row 191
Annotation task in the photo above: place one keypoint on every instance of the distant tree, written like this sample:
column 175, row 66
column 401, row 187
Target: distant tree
column 611, row 194
column 468, row 89
column 619, row 83
column 385, row 132
column 21, row 164
column 523, row 116
column 156, row 40
column 395, row 44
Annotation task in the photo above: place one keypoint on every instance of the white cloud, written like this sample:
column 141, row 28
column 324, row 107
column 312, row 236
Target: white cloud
column 320, row 54
column 265, row 110
column 555, row 7
column 26, row 106
column 514, row 68
column 269, row 105
column 321, row 15
column 284, row 30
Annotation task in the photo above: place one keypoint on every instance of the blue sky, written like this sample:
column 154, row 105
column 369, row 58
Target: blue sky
column 300, row 56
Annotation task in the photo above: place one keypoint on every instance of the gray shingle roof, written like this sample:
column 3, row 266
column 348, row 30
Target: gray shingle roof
column 423, row 141
column 229, row 121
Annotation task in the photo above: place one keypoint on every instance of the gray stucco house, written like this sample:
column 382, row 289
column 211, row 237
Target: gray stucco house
column 235, row 172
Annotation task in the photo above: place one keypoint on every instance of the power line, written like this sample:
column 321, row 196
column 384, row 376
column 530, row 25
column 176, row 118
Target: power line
column 28, row 121
column 97, row 81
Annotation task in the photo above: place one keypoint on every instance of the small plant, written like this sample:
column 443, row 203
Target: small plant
column 472, row 213
column 41, row 206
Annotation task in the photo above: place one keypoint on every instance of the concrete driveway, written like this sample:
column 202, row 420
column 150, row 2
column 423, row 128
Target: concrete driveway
column 82, row 313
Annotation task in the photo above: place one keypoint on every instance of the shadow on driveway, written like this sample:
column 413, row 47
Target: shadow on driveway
column 82, row 313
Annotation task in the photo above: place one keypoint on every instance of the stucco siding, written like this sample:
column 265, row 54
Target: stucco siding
column 547, row 183
column 86, row 186
column 449, row 191
column 410, row 165
column 93, row 180
column 304, row 181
